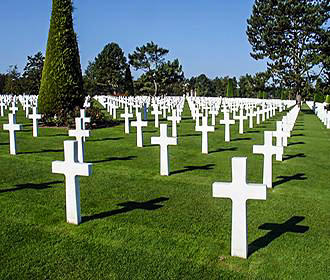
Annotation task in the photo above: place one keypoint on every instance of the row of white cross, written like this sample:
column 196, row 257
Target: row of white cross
column 322, row 113
column 238, row 190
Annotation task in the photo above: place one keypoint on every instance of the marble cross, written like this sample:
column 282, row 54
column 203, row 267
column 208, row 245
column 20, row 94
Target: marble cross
column 139, row 133
column 241, row 119
column 281, row 135
column 80, row 134
column 71, row 169
column 227, row 122
column 205, row 128
column 174, row 118
column 156, row 113
column 251, row 114
column 13, row 107
column 2, row 107
column 12, row 127
column 268, row 150
column 164, row 141
column 126, row 116
column 213, row 113
column 35, row 117
column 239, row 192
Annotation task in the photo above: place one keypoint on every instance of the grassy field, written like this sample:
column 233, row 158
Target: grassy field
column 140, row 225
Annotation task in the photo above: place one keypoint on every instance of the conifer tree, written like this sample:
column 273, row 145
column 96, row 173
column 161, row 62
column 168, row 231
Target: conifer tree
column 61, row 88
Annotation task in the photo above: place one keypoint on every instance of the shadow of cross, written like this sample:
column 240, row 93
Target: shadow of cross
column 276, row 230
column 127, row 207
column 284, row 179
column 32, row 186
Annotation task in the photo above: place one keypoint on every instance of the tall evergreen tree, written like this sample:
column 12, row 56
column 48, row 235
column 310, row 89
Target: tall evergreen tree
column 61, row 87
column 129, row 81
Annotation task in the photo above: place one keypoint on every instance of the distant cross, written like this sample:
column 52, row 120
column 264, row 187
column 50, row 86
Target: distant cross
column 281, row 135
column 251, row 114
column 71, row 169
column 239, row 192
column 13, row 107
column 227, row 122
column 27, row 107
column 198, row 114
column 139, row 133
column 12, row 127
column 114, row 111
column 2, row 107
column 263, row 111
column 35, row 117
column 241, row 119
column 205, row 128
column 213, row 113
column 84, row 120
column 268, row 150
column 126, row 116
column 174, row 118
column 80, row 134
column 164, row 141
column 156, row 113
column 258, row 113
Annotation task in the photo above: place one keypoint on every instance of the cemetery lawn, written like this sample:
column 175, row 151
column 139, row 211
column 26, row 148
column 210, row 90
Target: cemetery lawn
column 140, row 225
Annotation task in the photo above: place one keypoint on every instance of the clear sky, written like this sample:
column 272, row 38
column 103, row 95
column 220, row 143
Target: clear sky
column 207, row 36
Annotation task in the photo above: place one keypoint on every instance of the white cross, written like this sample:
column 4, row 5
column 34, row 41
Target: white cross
column 156, row 112
column 2, row 107
column 84, row 118
column 164, row 141
column 71, row 169
column 204, row 128
column 213, row 113
column 13, row 108
column 251, row 114
column 139, row 133
column 35, row 117
column 241, row 119
column 80, row 135
column 12, row 127
column 27, row 107
column 258, row 115
column 268, row 150
column 126, row 116
column 227, row 122
column 281, row 135
column 174, row 118
column 239, row 192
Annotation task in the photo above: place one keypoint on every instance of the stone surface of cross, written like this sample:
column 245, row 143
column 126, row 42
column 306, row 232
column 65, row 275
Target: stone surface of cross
column 13, row 107
column 251, row 114
column 241, row 119
column 164, row 141
column 239, row 192
column 12, row 127
column 126, row 116
column 156, row 113
column 281, row 135
column 268, row 150
column 80, row 135
column 213, row 113
column 227, row 122
column 139, row 124
column 35, row 117
column 71, row 169
column 174, row 118
column 205, row 128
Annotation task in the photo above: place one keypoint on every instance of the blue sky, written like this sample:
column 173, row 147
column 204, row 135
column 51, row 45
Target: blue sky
column 207, row 36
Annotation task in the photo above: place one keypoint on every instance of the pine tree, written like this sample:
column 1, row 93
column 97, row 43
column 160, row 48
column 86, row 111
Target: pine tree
column 230, row 89
column 129, row 81
column 61, row 88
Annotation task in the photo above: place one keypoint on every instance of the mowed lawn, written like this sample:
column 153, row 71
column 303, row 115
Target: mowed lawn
column 140, row 225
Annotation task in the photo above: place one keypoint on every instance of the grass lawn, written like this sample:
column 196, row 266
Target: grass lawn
column 140, row 225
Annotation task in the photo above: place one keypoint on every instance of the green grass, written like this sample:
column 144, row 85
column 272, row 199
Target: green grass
column 139, row 225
